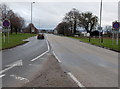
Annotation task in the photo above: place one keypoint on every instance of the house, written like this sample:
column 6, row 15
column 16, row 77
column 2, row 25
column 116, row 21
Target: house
column 31, row 29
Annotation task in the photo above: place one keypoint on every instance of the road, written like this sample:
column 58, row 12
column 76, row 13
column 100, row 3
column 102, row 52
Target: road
column 91, row 65
column 19, row 64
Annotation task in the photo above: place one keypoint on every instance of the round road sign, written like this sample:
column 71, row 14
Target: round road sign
column 116, row 25
column 6, row 23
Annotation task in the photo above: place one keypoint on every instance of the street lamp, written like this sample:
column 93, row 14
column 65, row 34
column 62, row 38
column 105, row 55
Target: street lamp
column 100, row 21
column 31, row 17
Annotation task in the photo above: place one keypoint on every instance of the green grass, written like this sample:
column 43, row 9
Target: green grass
column 14, row 40
column 96, row 41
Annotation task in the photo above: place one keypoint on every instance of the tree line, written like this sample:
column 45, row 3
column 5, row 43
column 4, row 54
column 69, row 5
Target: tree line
column 17, row 23
column 74, row 19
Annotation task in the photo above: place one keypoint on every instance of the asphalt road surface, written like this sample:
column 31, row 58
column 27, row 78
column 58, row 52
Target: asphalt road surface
column 91, row 65
column 18, row 66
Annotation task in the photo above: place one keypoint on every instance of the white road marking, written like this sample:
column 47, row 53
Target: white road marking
column 71, row 75
column 42, row 53
column 75, row 79
column 2, row 75
column 39, row 56
column 17, row 63
column 56, row 57
column 47, row 45
column 19, row 78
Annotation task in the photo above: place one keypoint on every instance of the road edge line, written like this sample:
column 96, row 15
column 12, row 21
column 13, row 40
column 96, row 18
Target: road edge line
column 75, row 79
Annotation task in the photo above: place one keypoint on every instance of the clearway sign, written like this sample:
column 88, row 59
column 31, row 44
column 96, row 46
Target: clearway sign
column 6, row 23
column 116, row 25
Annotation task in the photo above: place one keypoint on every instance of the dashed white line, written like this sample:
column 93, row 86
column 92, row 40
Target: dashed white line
column 75, row 79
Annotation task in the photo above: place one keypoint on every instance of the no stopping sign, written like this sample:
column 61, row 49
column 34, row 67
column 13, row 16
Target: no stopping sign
column 6, row 23
column 116, row 25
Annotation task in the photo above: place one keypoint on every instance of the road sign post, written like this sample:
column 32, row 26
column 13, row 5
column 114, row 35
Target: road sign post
column 116, row 26
column 100, row 28
column 6, row 30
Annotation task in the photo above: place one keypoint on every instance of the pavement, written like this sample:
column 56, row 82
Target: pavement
column 92, row 66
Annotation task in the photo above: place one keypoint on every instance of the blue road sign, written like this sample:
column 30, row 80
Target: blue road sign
column 116, row 25
column 6, row 23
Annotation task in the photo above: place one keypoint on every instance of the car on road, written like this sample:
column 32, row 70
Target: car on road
column 40, row 36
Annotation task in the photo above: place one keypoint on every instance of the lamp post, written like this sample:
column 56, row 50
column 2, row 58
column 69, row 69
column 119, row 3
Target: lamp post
column 31, row 17
column 100, row 21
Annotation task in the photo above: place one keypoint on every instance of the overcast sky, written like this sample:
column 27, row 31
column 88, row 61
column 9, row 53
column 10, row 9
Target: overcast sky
column 49, row 14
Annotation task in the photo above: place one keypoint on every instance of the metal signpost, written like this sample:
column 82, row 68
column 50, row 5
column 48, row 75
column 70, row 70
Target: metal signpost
column 116, row 26
column 6, row 25
column 100, row 28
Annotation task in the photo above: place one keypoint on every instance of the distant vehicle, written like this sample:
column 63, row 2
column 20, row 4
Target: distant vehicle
column 40, row 36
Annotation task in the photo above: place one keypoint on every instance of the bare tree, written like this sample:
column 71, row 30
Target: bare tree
column 16, row 22
column 88, row 21
column 63, row 28
column 72, row 18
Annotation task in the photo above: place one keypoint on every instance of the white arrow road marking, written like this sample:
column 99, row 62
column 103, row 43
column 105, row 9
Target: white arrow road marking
column 10, row 66
column 20, row 78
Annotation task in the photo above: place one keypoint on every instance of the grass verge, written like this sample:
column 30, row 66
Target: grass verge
column 14, row 40
column 107, row 42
